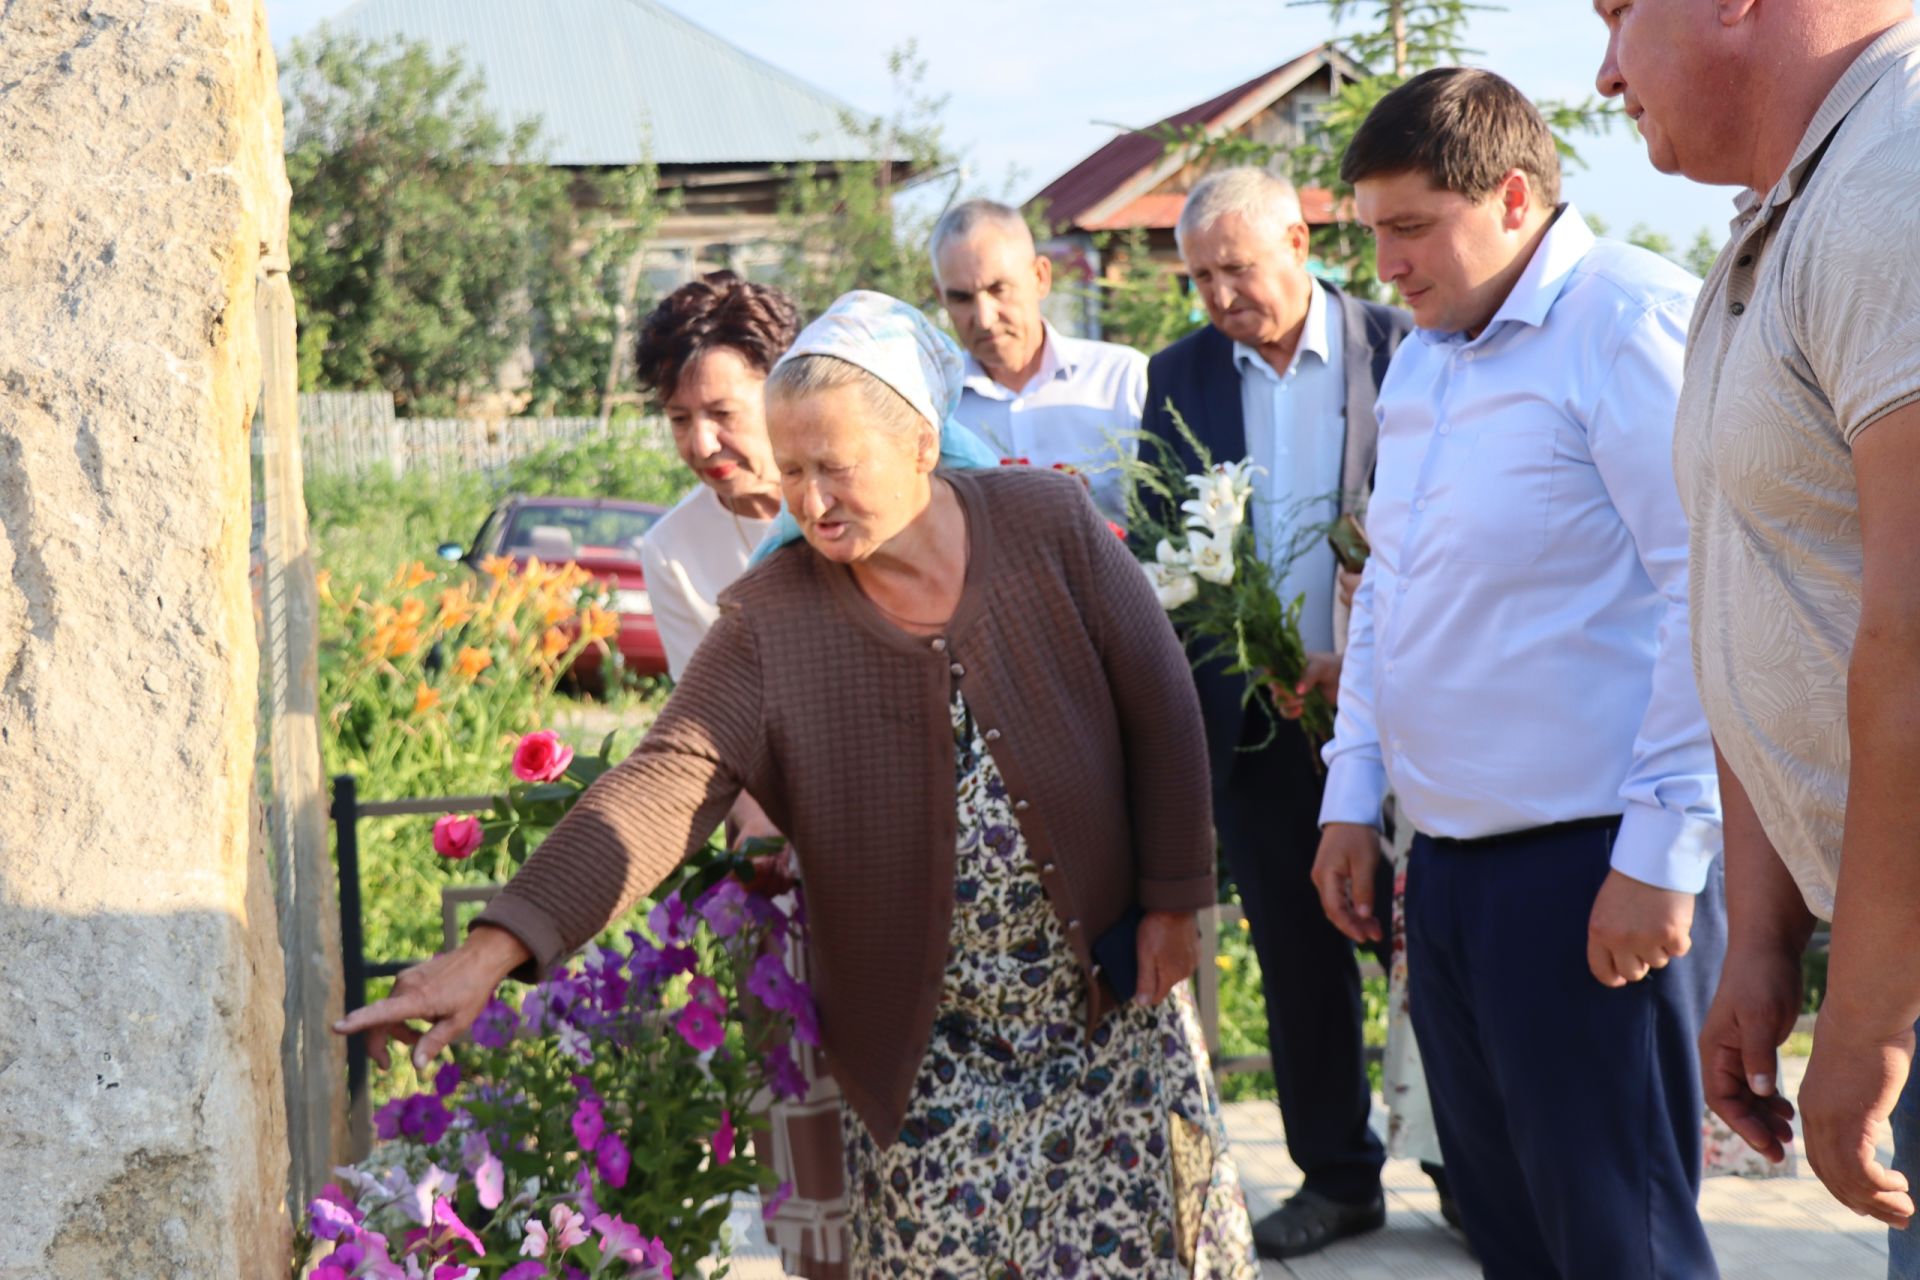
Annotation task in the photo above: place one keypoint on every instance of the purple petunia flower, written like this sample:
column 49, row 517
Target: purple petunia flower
column 496, row 1025
column 588, row 1123
column 671, row 922
column 526, row 1271
column 781, row 1194
column 330, row 1220
column 611, row 1158
column 447, row 1080
column 725, row 908
column 784, row 1076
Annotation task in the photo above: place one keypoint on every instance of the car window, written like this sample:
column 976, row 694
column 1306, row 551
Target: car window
column 597, row 531
column 487, row 541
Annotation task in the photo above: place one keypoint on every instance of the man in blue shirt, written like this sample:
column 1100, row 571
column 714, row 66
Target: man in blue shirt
column 1518, row 673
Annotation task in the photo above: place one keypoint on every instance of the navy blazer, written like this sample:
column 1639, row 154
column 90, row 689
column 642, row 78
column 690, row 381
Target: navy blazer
column 1197, row 374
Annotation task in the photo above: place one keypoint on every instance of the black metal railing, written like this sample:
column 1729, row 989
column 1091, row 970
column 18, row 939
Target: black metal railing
column 356, row 969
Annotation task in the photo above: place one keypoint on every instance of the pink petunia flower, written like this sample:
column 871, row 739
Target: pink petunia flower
column 704, row 990
column 541, row 757
column 455, row 1230
column 535, row 1243
column 781, row 1194
column 723, row 1139
column 456, row 836
column 490, row 1179
column 700, row 1027
column 569, row 1228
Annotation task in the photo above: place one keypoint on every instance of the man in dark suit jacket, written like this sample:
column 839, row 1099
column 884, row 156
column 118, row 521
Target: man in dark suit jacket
column 1285, row 374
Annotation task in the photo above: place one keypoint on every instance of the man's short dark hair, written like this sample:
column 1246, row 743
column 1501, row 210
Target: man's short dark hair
column 1464, row 129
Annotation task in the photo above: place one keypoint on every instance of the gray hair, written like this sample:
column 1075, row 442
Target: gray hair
column 800, row 376
column 1254, row 194
column 963, row 219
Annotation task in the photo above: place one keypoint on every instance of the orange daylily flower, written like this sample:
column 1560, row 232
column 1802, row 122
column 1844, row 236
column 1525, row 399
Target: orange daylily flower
column 456, row 609
column 472, row 662
column 554, row 643
column 425, row 699
column 600, row 624
column 497, row 567
column 405, row 641
column 412, row 612
column 557, row 612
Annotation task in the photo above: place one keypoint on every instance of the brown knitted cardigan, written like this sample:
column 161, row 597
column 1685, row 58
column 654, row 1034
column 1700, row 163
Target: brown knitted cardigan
column 837, row 723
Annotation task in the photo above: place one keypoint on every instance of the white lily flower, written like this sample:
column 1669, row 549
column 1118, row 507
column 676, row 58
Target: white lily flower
column 1169, row 555
column 1173, row 583
column 1211, row 556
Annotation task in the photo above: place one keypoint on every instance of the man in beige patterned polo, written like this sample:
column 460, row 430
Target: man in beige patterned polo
column 1798, row 457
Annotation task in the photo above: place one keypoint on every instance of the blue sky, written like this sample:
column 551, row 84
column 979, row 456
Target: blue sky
column 1031, row 80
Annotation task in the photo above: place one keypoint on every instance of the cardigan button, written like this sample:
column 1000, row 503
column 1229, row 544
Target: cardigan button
column 1021, row 806
column 957, row 669
column 993, row 735
column 939, row 644
column 1074, row 925
column 1047, row 870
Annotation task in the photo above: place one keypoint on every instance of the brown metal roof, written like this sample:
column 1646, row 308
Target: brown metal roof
column 1097, row 177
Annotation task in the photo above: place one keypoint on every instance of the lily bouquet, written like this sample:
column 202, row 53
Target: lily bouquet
column 1223, row 596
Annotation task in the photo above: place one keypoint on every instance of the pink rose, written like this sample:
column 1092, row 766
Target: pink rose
column 456, row 836
column 541, row 757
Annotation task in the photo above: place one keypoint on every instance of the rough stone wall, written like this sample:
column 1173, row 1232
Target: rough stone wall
column 142, row 1129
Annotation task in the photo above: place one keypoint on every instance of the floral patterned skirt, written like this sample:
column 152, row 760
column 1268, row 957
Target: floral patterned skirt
column 1031, row 1148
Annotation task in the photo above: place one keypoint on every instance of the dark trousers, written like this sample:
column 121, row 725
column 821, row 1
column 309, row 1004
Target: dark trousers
column 1269, row 824
column 1569, row 1113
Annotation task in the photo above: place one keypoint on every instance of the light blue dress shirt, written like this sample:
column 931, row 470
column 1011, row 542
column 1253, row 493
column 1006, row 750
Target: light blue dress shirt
column 1085, row 397
column 1519, row 649
column 1296, row 425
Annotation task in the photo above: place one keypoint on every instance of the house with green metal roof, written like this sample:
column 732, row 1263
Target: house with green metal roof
column 626, row 82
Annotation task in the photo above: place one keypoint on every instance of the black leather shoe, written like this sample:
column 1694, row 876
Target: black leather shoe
column 1448, row 1210
column 1309, row 1222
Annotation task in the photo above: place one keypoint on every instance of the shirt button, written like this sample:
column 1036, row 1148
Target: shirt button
column 1738, row 308
column 1421, row 505
column 957, row 669
column 939, row 644
column 1467, row 356
column 993, row 735
column 1400, row 585
column 1445, row 429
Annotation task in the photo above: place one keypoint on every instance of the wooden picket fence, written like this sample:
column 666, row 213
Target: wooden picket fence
column 357, row 432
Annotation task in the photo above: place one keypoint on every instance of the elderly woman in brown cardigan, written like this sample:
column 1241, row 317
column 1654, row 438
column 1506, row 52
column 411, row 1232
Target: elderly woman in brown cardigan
column 960, row 698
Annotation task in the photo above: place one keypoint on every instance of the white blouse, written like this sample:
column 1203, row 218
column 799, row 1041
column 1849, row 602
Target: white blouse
column 692, row 554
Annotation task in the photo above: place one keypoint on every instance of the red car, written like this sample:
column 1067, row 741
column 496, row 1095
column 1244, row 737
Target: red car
column 602, row 536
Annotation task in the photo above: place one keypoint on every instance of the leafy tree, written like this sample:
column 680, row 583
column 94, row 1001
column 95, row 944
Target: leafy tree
column 1142, row 304
column 847, row 227
column 431, row 245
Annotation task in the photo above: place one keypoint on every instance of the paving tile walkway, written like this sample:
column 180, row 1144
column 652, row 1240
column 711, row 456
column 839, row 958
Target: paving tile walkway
column 1762, row 1229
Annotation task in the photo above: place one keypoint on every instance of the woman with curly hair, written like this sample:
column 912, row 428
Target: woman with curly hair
column 705, row 352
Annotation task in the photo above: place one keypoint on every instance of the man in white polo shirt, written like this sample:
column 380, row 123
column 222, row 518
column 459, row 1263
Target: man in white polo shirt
column 1032, row 393
column 1798, row 457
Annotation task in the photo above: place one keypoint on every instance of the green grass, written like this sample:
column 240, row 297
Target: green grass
column 1243, row 1015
